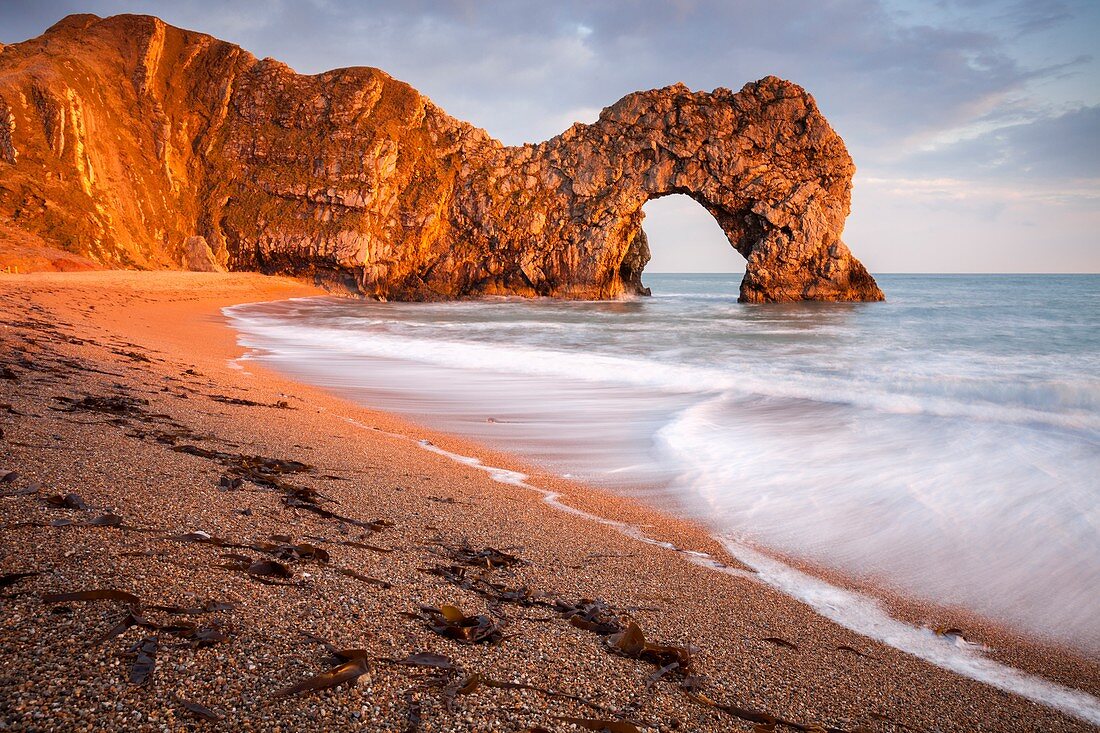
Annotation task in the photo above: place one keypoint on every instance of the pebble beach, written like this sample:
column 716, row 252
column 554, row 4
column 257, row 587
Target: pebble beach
column 189, row 543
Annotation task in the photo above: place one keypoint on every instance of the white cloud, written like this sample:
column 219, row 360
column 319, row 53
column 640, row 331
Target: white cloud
column 956, row 189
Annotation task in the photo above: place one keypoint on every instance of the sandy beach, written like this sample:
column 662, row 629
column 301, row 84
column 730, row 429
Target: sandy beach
column 258, row 532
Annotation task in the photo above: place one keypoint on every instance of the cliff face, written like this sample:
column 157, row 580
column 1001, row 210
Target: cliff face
column 137, row 144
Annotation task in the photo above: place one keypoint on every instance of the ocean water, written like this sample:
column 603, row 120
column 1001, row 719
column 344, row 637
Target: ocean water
column 945, row 444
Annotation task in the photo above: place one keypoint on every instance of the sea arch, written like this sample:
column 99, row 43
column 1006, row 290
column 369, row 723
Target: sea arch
column 764, row 162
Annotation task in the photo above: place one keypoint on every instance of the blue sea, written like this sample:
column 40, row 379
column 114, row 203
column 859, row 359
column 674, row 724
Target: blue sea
column 944, row 444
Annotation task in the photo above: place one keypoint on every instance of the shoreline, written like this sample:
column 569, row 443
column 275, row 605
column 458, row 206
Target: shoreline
column 192, row 303
column 1002, row 642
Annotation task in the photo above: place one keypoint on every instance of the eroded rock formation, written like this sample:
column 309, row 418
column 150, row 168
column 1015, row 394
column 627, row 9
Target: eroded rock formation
column 132, row 143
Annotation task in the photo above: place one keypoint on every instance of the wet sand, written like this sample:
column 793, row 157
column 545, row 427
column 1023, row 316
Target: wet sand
column 120, row 387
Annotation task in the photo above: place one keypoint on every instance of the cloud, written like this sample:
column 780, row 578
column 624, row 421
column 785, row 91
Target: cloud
column 957, row 226
column 966, row 91
column 939, row 190
column 883, row 72
column 1039, row 154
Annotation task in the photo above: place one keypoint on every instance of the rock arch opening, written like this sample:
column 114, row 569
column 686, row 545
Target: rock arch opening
column 683, row 237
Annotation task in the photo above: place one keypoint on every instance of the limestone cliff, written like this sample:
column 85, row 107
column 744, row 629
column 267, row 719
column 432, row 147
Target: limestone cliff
column 137, row 144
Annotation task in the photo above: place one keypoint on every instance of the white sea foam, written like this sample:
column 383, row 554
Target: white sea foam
column 944, row 444
column 851, row 610
column 865, row 616
column 841, row 497
column 923, row 397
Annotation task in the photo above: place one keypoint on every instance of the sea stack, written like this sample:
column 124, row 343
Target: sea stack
column 125, row 140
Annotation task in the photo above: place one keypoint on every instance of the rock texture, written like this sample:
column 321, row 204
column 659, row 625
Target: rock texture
column 198, row 257
column 136, row 144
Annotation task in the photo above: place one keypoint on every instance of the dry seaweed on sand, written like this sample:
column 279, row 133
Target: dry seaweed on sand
column 66, row 501
column 201, row 537
column 269, row 569
column 486, row 557
column 764, row 721
column 201, row 712
column 471, row 683
column 308, row 503
column 477, row 580
column 346, row 672
column 631, row 642
column 194, row 634
column 337, row 654
column 110, row 519
column 363, row 578
column 12, row 578
column 600, row 618
column 144, row 654
column 425, row 659
column 244, row 402
column 198, row 636
column 260, row 470
column 230, row 483
column 451, row 622
column 780, row 642
column 590, row 614
column 362, row 546
column 110, row 404
column 109, row 594
column 283, row 548
column 131, row 617
column 412, row 712
column 270, row 572
column 29, row 490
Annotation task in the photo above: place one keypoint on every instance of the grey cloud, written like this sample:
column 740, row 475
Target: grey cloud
column 1022, row 16
column 1057, row 147
column 512, row 66
column 889, row 76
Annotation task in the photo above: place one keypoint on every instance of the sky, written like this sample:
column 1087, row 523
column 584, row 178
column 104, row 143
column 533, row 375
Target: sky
column 974, row 124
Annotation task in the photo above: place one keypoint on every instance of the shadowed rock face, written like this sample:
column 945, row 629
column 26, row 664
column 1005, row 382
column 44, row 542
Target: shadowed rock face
column 125, row 140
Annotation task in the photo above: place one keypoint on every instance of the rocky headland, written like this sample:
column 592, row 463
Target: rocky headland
column 129, row 143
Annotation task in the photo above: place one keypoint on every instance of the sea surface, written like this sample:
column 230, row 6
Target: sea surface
column 944, row 444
